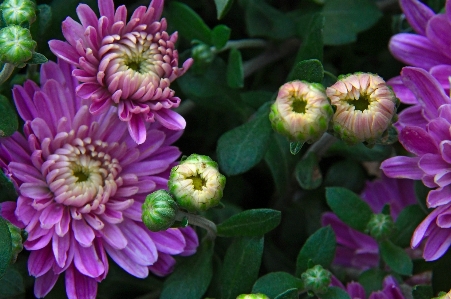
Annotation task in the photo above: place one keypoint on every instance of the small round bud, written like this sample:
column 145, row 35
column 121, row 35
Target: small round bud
column 301, row 111
column 316, row 279
column 365, row 107
column 203, row 56
column 252, row 296
column 159, row 211
column 16, row 240
column 380, row 226
column 17, row 45
column 443, row 295
column 196, row 183
column 17, row 12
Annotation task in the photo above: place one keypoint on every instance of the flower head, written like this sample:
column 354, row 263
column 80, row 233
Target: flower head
column 365, row 107
column 301, row 111
column 159, row 211
column 125, row 64
column 196, row 183
column 316, row 279
column 17, row 45
column 81, row 181
column 17, row 12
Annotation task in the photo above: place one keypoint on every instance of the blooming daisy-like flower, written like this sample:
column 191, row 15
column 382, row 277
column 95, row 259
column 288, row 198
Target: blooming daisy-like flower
column 301, row 111
column 365, row 107
column 431, row 161
column 356, row 249
column 81, row 181
column 126, row 64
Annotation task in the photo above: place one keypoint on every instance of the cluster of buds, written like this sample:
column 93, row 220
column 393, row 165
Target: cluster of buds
column 194, row 185
column 17, row 43
column 364, row 110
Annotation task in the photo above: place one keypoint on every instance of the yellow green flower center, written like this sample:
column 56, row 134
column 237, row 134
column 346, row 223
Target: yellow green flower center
column 299, row 106
column 362, row 103
column 198, row 182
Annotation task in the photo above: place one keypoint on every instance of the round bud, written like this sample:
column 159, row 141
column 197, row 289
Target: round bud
column 17, row 45
column 202, row 55
column 380, row 226
column 159, row 211
column 252, row 296
column 316, row 279
column 196, row 183
column 17, row 12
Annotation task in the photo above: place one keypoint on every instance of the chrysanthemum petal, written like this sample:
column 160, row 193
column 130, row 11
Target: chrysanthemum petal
column 417, row 14
column 44, row 283
column 438, row 32
column 417, row 141
column 402, row 167
column 79, row 286
column 437, row 244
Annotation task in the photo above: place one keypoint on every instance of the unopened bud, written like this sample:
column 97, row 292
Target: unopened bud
column 316, row 279
column 301, row 111
column 365, row 107
column 380, row 226
column 159, row 211
column 17, row 45
column 17, row 12
column 196, row 183
column 16, row 240
column 202, row 55
column 443, row 295
column 252, row 296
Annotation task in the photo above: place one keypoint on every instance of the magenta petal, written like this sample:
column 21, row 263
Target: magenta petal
column 417, row 14
column 417, row 141
column 402, row 92
column 439, row 197
column 44, row 284
column 437, row 31
column 114, row 236
column 87, row 261
column 64, row 51
column 170, row 119
column 60, row 247
column 137, row 128
column 355, row 290
column 83, row 233
column 191, row 240
column 421, row 229
column 106, row 8
column 427, row 90
column 445, row 150
column 438, row 129
column 79, row 286
column 124, row 261
column 437, row 243
column 140, row 248
column 170, row 241
column 163, row 266
column 442, row 73
column 40, row 261
column 431, row 164
column 401, row 167
column 7, row 210
column 412, row 116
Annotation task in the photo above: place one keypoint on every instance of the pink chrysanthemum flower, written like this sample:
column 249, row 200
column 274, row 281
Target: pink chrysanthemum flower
column 126, row 64
column 81, row 181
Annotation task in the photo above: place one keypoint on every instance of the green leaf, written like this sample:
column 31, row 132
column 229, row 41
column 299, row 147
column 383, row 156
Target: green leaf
column 243, row 147
column 422, row 292
column 348, row 174
column 235, row 74
column 256, row 98
column 280, row 162
column 44, row 17
column 250, row 223
column 220, row 35
column 349, row 207
column 295, row 147
column 307, row 172
column 241, row 266
column 264, row 20
column 345, row 18
column 11, row 285
column 5, row 247
column 37, row 58
column 288, row 294
column 312, row 45
column 396, row 258
column 406, row 223
column 7, row 190
column 371, row 280
column 185, row 283
column 421, row 194
column 360, row 152
column 275, row 283
column 188, row 23
column 319, row 249
column 8, row 118
column 222, row 7
column 335, row 293
column 309, row 70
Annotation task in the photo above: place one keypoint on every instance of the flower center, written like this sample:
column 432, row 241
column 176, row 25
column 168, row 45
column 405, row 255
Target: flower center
column 83, row 174
column 299, row 106
column 198, row 182
column 362, row 103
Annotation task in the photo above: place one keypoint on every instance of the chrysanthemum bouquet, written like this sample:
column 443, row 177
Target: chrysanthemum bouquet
column 224, row 149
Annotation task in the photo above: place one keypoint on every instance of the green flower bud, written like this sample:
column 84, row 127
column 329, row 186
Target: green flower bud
column 366, row 107
column 443, row 295
column 316, row 279
column 159, row 211
column 16, row 238
column 252, row 296
column 196, row 183
column 16, row 45
column 16, row 12
column 380, row 226
column 203, row 56
column 301, row 111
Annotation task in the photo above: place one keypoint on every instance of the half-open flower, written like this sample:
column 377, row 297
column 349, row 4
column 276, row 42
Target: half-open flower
column 125, row 64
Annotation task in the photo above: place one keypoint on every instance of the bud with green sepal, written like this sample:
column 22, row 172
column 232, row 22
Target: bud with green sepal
column 301, row 111
column 316, row 279
column 18, row 12
column 196, row 183
column 203, row 56
column 17, row 45
column 16, row 240
column 380, row 226
column 252, row 296
column 159, row 211
column 365, row 108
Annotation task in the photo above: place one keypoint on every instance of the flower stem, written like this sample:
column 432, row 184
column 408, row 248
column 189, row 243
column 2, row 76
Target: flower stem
column 199, row 221
column 7, row 70
column 242, row 43
column 321, row 146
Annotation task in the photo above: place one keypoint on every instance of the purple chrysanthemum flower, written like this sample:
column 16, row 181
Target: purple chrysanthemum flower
column 390, row 289
column 81, row 181
column 431, row 161
column 356, row 249
column 125, row 64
